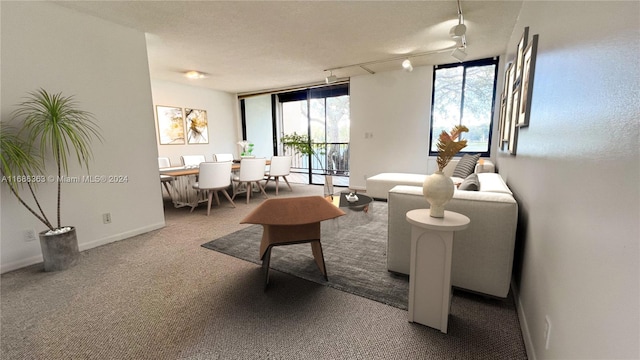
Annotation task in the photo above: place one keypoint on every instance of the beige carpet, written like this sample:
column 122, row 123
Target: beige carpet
column 161, row 295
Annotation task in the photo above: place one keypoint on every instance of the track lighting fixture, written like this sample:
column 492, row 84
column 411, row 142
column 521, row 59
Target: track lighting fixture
column 331, row 78
column 459, row 54
column 407, row 65
column 458, row 31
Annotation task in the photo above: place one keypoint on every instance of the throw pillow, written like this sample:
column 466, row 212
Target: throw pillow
column 466, row 165
column 471, row 183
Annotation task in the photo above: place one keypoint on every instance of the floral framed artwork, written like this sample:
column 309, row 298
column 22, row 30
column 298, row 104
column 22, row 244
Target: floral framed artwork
column 170, row 125
column 197, row 126
column 528, row 70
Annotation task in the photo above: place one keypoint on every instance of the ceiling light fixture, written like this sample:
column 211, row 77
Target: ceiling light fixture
column 407, row 65
column 195, row 74
column 331, row 78
column 459, row 54
column 457, row 32
column 396, row 58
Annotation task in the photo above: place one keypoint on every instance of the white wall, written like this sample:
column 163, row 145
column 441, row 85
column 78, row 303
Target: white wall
column 222, row 114
column 576, row 177
column 105, row 67
column 389, row 123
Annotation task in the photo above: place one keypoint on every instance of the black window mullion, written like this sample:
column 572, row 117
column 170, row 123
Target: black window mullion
column 463, row 91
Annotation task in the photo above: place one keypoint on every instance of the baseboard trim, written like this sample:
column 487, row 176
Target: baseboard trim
column 120, row 236
column 524, row 327
column 15, row 265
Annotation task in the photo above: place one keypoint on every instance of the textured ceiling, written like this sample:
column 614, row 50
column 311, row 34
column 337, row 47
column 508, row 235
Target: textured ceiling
column 249, row 46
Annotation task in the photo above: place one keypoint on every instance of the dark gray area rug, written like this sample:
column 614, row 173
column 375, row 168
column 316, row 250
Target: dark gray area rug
column 355, row 253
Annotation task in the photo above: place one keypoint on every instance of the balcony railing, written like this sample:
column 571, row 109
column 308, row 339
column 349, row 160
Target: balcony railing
column 332, row 158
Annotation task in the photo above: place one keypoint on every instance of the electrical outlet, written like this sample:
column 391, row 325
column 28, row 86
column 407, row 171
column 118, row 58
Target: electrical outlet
column 106, row 218
column 30, row 235
column 547, row 331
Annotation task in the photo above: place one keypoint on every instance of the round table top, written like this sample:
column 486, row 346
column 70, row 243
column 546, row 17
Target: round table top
column 452, row 221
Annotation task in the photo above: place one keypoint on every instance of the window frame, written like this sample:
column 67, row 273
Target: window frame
column 468, row 64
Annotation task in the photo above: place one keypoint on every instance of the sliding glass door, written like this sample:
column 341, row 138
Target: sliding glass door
column 323, row 115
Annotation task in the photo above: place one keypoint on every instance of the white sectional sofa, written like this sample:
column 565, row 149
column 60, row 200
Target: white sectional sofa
column 378, row 186
column 482, row 253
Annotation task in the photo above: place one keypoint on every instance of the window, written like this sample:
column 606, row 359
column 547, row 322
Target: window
column 464, row 94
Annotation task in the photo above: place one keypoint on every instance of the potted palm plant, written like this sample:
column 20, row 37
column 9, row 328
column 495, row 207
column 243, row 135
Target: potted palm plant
column 300, row 144
column 51, row 125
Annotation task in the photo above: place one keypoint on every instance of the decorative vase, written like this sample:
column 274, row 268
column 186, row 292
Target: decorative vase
column 59, row 251
column 438, row 190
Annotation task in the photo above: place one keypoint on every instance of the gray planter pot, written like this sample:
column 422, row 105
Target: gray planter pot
column 60, row 251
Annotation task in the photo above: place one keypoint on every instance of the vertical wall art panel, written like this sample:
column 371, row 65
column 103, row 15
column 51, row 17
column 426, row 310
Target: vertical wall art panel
column 501, row 125
column 513, row 131
column 522, row 44
column 170, row 125
column 529, row 65
column 509, row 102
column 516, row 95
column 197, row 126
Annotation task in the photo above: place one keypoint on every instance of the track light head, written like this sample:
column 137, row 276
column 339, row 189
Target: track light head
column 407, row 65
column 458, row 31
column 460, row 55
column 330, row 79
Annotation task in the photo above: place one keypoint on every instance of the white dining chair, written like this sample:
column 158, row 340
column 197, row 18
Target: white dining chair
column 166, row 180
column 222, row 157
column 280, row 167
column 192, row 160
column 214, row 177
column 251, row 171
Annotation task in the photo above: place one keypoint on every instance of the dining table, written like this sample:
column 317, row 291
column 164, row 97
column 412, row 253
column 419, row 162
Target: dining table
column 182, row 191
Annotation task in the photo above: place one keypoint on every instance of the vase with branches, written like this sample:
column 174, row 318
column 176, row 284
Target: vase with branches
column 448, row 147
column 52, row 124
column 437, row 188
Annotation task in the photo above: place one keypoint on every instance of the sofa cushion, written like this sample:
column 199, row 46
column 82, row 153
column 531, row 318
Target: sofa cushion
column 466, row 165
column 492, row 182
column 471, row 183
column 378, row 186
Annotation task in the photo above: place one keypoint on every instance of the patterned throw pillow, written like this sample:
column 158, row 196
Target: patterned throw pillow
column 471, row 183
column 466, row 166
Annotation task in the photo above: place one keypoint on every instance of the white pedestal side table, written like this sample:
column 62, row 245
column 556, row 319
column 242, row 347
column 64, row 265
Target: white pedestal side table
column 430, row 269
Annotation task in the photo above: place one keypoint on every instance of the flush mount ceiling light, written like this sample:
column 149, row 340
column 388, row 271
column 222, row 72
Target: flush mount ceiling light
column 407, row 65
column 195, row 74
